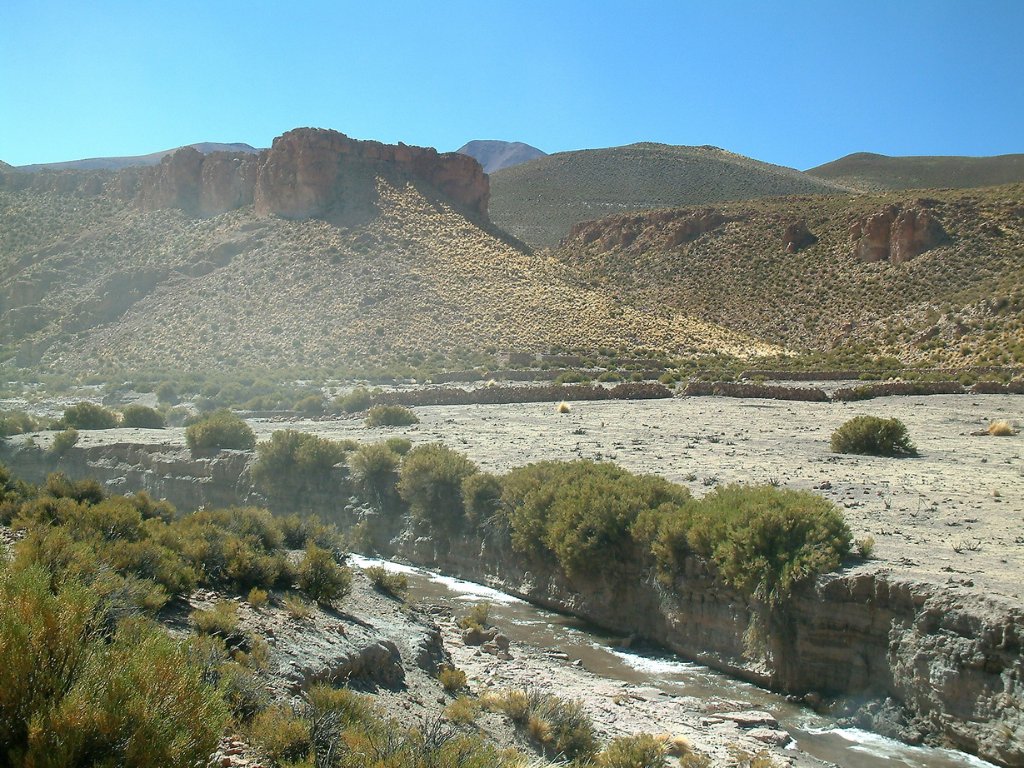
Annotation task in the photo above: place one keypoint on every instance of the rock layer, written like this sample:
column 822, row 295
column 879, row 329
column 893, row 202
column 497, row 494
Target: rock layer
column 897, row 234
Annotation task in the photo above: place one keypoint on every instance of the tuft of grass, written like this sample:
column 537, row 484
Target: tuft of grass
column 864, row 548
column 221, row 620
column 477, row 617
column 258, row 597
column 640, row 750
column 390, row 582
column 297, row 607
column 1001, row 429
column 563, row 407
column 463, row 711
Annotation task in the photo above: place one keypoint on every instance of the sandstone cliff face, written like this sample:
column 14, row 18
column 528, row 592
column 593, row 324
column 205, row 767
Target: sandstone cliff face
column 308, row 172
column 202, row 185
column 896, row 234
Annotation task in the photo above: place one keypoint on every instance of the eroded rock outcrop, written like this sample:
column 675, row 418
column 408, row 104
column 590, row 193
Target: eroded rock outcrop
column 203, row 185
column 896, row 234
column 311, row 172
column 662, row 229
column 797, row 237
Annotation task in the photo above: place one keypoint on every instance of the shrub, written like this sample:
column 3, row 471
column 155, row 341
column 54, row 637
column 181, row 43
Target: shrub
column 399, row 445
column 291, row 460
column 281, row 734
column 321, row 578
column 87, row 415
column 359, row 399
column 1001, row 429
column 297, row 607
column 641, row 750
column 70, row 697
column 257, row 597
column 390, row 416
column 313, row 405
column 167, row 393
column 452, row 679
column 481, row 495
column 17, row 423
column 63, row 441
column 390, row 582
column 563, row 407
column 873, row 436
column 463, row 711
column 762, row 540
column 221, row 429
column 477, row 617
column 142, row 417
column 431, row 482
column 580, row 511
column 562, row 728
column 374, row 471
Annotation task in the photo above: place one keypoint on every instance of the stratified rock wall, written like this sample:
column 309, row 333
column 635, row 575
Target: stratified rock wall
column 897, row 234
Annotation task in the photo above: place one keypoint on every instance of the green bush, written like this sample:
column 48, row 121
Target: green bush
column 431, row 480
column 873, row 436
column 481, row 495
column 452, row 679
column 313, row 405
column 64, row 440
column 142, row 417
column 221, row 429
column 359, row 399
column 762, row 540
column 581, row 511
column 320, row 576
column 374, row 471
column 17, row 423
column 390, row 416
column 281, row 734
column 391, row 583
column 86, row 415
column 291, row 461
column 399, row 445
column 221, row 620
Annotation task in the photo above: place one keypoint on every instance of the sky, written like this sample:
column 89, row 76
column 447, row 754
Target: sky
column 796, row 83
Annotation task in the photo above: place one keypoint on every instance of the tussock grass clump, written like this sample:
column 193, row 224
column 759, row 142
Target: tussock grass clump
column 389, row 582
column 221, row 429
column 641, row 750
column 1001, row 429
column 463, row 711
column 476, row 618
column 873, row 436
column 558, row 726
column 391, row 416
column 563, row 407
column 220, row 621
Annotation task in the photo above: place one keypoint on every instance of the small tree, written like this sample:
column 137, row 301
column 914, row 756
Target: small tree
column 221, row 429
column 431, row 481
column 321, row 577
column 390, row 416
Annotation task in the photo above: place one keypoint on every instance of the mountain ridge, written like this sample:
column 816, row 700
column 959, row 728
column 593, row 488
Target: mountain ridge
column 496, row 155
column 131, row 161
column 875, row 172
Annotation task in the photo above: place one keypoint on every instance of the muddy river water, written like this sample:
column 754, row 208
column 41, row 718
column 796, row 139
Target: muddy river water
column 567, row 640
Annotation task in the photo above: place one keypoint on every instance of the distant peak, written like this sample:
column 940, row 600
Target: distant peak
column 494, row 155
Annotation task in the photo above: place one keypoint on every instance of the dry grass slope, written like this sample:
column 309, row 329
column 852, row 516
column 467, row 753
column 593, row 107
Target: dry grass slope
column 89, row 284
column 539, row 201
column 958, row 304
column 868, row 171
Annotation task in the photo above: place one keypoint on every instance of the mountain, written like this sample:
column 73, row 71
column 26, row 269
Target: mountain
column 879, row 172
column 929, row 280
column 319, row 252
column 495, row 155
column 114, row 163
column 539, row 201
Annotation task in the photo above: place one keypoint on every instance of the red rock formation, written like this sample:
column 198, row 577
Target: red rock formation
column 227, row 182
column 665, row 229
column 198, row 184
column 174, row 183
column 797, row 237
column 895, row 234
column 310, row 172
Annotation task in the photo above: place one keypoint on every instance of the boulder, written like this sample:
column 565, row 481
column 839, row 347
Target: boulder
column 797, row 237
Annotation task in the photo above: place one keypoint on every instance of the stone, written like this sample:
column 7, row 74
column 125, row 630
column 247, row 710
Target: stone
column 797, row 237
column 771, row 736
column 750, row 718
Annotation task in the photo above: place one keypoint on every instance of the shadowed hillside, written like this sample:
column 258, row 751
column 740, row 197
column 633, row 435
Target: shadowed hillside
column 495, row 155
column 933, row 280
column 868, row 171
column 539, row 201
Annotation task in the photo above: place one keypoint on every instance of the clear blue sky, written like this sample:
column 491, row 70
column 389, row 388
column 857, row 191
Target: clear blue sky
column 794, row 83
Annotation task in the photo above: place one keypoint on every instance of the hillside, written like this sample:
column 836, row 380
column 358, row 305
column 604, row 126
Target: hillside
column 495, row 155
column 540, row 200
column 865, row 170
column 116, row 163
column 338, row 254
column 932, row 281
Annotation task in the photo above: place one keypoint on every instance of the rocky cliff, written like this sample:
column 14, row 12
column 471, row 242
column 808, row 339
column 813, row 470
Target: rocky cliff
column 897, row 233
column 307, row 173
column 911, row 659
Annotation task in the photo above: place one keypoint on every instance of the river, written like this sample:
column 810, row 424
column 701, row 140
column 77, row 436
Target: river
column 601, row 654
